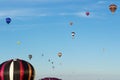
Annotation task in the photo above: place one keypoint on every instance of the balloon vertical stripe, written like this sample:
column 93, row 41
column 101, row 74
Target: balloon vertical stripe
column 16, row 70
column 21, row 71
column 2, row 71
column 6, row 70
column 11, row 71
column 30, row 72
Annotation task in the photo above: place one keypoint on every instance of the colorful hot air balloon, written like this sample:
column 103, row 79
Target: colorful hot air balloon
column 8, row 20
column 87, row 13
column 73, row 35
column 50, row 78
column 59, row 54
column 30, row 56
column 112, row 8
column 16, row 70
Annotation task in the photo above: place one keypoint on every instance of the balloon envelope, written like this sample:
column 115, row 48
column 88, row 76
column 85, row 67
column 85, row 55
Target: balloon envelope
column 87, row 13
column 16, row 70
column 73, row 35
column 8, row 20
column 18, row 42
column 50, row 78
column 71, row 23
column 59, row 54
column 30, row 56
column 112, row 8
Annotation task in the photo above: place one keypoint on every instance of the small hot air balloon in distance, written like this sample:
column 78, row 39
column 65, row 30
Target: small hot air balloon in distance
column 53, row 67
column 8, row 20
column 50, row 78
column 42, row 54
column 71, row 23
column 30, row 56
column 52, row 62
column 59, row 54
column 16, row 69
column 18, row 42
column 103, row 50
column 48, row 60
column 73, row 35
column 87, row 13
column 112, row 8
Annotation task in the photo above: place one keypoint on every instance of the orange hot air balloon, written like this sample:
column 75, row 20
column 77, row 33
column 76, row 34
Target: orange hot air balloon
column 112, row 8
column 59, row 54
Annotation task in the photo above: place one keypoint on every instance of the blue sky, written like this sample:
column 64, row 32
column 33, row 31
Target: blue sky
column 42, row 27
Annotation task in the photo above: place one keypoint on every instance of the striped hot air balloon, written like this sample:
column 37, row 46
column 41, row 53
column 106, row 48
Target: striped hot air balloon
column 50, row 78
column 16, row 70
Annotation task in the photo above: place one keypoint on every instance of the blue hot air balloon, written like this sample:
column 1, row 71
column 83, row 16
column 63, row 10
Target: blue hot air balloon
column 8, row 20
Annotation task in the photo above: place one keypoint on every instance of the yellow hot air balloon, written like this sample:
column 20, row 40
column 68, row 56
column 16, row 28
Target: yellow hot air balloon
column 112, row 8
column 59, row 54
column 18, row 42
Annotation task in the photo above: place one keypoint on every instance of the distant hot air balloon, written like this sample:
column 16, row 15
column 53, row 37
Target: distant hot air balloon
column 16, row 70
column 112, row 8
column 59, row 54
column 73, row 35
column 8, row 20
column 50, row 78
column 71, row 23
column 87, row 13
column 53, row 67
column 48, row 60
column 18, row 42
column 52, row 62
column 30, row 56
column 103, row 49
column 42, row 54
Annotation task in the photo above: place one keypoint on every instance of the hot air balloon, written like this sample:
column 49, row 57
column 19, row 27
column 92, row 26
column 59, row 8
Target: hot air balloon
column 112, row 8
column 71, row 23
column 16, row 69
column 59, row 54
column 8, row 20
column 18, row 42
column 42, row 54
column 52, row 62
column 30, row 56
column 103, row 50
column 50, row 78
column 48, row 60
column 73, row 35
column 87, row 13
column 53, row 67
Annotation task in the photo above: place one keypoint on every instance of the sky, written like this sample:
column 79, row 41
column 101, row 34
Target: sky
column 43, row 27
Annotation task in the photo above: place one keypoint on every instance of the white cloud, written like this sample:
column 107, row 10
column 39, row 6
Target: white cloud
column 79, row 14
column 101, row 2
column 21, row 12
